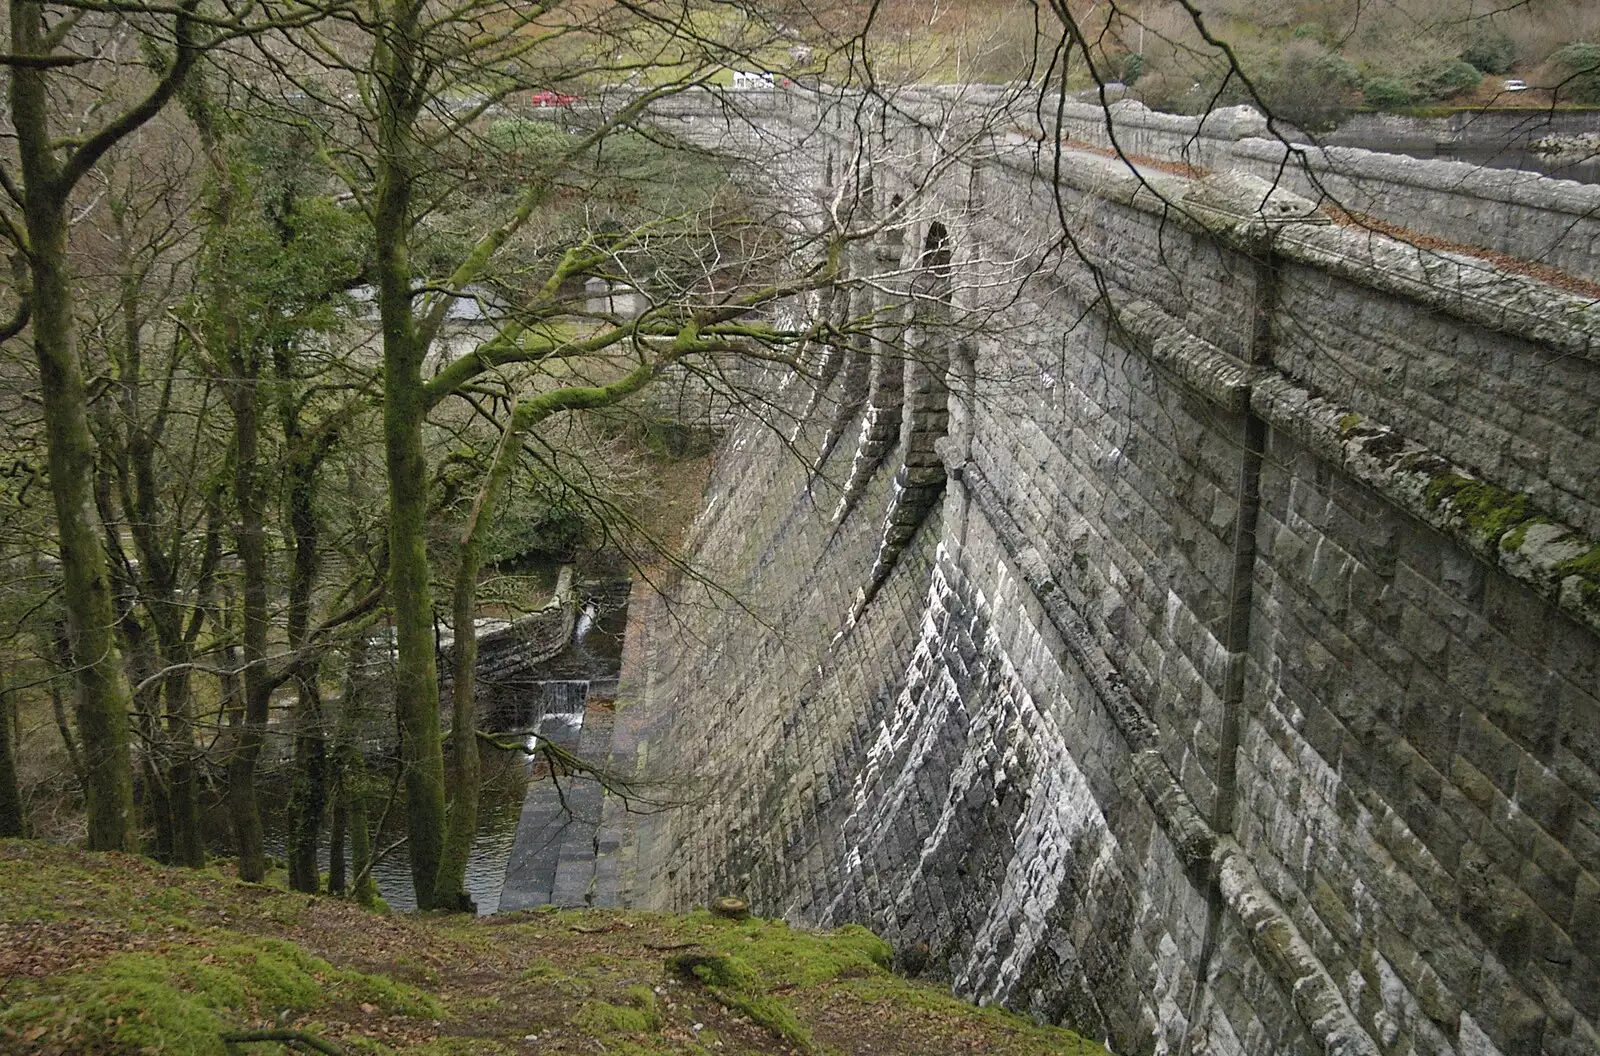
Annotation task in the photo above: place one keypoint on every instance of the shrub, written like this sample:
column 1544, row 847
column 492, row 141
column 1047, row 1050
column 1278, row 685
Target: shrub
column 1579, row 67
column 1490, row 50
column 537, row 534
column 1311, row 87
column 1339, row 72
column 1386, row 93
column 528, row 138
column 1446, row 78
column 1132, row 68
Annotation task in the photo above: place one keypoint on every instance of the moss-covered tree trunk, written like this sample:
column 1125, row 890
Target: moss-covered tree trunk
column 135, row 437
column 416, row 684
column 400, row 75
column 350, row 785
column 104, row 695
column 466, row 774
column 238, row 363
column 184, row 776
column 309, row 798
column 250, row 542
column 336, row 830
column 12, row 820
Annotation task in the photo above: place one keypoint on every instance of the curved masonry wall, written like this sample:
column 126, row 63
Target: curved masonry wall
column 1235, row 688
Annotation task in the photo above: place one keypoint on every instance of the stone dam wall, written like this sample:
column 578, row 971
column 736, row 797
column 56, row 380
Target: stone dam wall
column 1203, row 651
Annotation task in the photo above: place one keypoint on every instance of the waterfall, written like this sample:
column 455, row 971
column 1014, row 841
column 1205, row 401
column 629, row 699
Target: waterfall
column 585, row 624
column 566, row 697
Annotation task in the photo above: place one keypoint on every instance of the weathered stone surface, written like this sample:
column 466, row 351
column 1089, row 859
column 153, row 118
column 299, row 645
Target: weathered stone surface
column 1242, row 693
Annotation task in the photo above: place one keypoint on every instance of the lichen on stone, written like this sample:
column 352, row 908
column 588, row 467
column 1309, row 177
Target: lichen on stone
column 1489, row 510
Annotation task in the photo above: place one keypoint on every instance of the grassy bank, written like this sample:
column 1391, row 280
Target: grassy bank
column 114, row 954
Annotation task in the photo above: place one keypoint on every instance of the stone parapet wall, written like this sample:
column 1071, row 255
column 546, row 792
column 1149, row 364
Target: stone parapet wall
column 1242, row 695
column 1521, row 214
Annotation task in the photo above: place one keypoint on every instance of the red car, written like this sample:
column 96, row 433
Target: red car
column 552, row 98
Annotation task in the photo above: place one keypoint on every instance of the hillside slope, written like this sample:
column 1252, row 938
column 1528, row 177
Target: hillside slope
column 112, row 953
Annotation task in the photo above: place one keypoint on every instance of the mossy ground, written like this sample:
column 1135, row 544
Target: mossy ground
column 113, row 954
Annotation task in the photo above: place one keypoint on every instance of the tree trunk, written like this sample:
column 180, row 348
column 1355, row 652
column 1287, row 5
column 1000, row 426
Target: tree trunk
column 104, row 696
column 169, row 744
column 362, row 887
column 465, row 770
column 336, row 827
column 416, row 674
column 13, row 822
column 250, row 541
column 141, row 659
column 152, row 766
column 241, row 365
column 62, row 663
column 309, row 799
column 350, row 782
column 183, row 778
column 404, row 408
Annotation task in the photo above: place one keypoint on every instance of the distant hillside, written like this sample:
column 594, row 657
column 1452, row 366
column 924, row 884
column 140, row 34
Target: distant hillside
column 1312, row 60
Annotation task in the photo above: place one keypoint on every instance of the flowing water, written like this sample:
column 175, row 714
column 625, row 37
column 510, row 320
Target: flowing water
column 549, row 703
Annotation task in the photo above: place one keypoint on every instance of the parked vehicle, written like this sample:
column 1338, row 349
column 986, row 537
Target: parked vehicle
column 1514, row 85
column 760, row 79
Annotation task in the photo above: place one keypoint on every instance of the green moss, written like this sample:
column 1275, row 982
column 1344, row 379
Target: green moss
column 540, row 971
column 172, row 900
column 129, row 1003
column 180, row 999
column 780, row 955
column 638, row 1016
column 1514, row 539
column 642, row 997
column 721, row 970
column 416, row 971
column 768, row 1012
column 863, row 941
column 1587, row 568
column 1350, row 421
column 1585, row 565
column 386, row 993
column 1490, row 511
column 738, row 986
column 1502, row 519
column 460, row 1047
